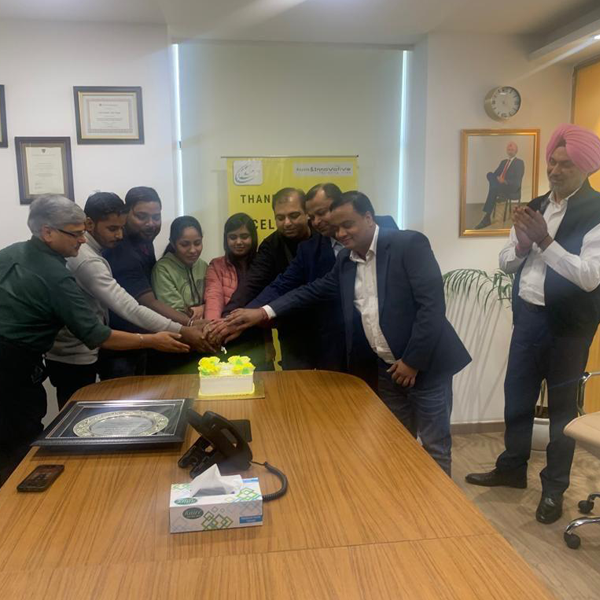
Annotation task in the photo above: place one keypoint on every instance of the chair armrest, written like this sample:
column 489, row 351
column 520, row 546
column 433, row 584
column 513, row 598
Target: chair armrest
column 581, row 389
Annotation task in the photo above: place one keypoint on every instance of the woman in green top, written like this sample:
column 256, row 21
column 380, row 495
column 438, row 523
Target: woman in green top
column 178, row 277
column 178, row 280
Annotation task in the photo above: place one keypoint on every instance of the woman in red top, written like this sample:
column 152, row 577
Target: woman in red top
column 223, row 277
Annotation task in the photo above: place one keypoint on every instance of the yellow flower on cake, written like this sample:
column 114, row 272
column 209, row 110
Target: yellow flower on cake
column 209, row 365
column 241, row 365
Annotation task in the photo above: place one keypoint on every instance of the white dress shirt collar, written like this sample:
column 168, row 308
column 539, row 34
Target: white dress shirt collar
column 337, row 246
column 372, row 251
column 552, row 198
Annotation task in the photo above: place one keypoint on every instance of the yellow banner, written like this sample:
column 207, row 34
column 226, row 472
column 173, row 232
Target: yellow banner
column 252, row 182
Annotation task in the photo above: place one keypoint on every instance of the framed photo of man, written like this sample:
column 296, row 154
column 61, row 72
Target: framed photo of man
column 44, row 167
column 109, row 115
column 499, row 171
column 3, row 128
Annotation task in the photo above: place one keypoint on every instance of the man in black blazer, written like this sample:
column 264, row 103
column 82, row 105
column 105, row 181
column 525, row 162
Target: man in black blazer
column 314, row 258
column 393, row 298
column 504, row 182
column 274, row 255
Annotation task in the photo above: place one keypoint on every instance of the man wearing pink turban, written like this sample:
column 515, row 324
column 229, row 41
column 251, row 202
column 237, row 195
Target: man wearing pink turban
column 554, row 251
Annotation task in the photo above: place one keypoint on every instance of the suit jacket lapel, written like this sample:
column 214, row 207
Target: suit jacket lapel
column 382, row 260
column 347, row 287
column 326, row 249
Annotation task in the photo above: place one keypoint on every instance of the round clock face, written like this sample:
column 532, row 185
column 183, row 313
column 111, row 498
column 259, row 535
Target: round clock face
column 503, row 103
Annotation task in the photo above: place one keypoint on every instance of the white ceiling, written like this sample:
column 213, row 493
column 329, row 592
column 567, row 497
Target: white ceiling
column 338, row 21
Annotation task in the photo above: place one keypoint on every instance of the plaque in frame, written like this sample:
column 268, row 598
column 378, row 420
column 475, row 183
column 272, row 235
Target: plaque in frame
column 117, row 425
column 109, row 115
column 44, row 166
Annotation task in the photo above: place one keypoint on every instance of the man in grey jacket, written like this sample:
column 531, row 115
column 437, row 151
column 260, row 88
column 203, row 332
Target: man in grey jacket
column 70, row 363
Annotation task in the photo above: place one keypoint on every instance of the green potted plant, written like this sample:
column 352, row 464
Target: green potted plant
column 498, row 287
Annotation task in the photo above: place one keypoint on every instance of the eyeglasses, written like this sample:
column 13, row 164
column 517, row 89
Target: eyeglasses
column 74, row 234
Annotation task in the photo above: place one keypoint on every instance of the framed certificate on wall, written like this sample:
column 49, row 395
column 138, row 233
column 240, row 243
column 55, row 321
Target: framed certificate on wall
column 109, row 115
column 3, row 128
column 44, row 167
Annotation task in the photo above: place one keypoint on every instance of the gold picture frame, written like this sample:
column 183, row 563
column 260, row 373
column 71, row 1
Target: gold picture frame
column 495, row 178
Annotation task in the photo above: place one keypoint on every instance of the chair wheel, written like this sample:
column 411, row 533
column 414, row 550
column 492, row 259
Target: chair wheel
column 572, row 540
column 586, row 506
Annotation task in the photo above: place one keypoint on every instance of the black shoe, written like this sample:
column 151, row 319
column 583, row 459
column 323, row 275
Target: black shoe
column 485, row 222
column 496, row 478
column 549, row 509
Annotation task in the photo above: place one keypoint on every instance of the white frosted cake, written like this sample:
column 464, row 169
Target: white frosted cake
column 233, row 378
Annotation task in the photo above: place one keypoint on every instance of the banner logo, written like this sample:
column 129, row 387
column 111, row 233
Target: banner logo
column 345, row 169
column 247, row 172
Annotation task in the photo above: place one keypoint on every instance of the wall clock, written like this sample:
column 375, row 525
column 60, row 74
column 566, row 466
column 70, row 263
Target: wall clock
column 502, row 103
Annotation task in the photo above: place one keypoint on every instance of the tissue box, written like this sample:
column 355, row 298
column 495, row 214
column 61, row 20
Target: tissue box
column 202, row 513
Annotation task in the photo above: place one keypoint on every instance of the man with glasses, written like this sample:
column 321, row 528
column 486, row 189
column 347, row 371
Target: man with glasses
column 39, row 296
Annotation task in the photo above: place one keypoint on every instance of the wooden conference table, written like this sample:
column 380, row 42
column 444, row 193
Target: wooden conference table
column 368, row 514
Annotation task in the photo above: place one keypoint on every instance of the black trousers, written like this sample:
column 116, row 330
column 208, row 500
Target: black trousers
column 67, row 378
column 495, row 190
column 537, row 354
column 22, row 404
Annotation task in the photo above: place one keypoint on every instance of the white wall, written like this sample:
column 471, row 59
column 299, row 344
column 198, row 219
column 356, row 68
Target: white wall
column 40, row 62
column 452, row 73
column 276, row 99
column 462, row 68
column 39, row 65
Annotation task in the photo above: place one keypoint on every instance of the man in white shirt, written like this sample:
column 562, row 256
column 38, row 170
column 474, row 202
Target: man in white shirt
column 554, row 249
column 392, row 299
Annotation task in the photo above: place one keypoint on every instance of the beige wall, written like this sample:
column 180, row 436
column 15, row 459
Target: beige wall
column 586, row 112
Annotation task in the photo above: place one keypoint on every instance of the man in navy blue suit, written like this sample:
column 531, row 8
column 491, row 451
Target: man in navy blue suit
column 391, row 291
column 315, row 258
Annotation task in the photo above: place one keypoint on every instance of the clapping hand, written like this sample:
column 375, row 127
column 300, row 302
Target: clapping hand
column 524, row 242
column 532, row 227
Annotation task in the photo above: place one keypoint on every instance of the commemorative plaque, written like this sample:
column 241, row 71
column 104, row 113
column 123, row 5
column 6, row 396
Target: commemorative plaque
column 117, row 425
